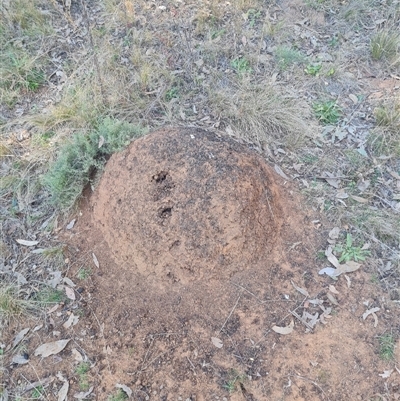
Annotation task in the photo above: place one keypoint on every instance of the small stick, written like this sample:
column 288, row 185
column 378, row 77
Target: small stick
column 191, row 364
column 230, row 313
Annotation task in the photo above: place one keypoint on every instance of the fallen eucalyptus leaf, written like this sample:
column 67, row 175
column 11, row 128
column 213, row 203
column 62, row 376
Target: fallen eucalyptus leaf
column 280, row 172
column 333, row 290
column 334, row 233
column 332, row 299
column 96, row 262
column 20, row 359
column 217, row 342
column 369, row 312
column 77, row 355
column 70, row 293
column 300, row 290
column 62, row 394
column 386, row 373
column 71, row 224
column 18, row 338
column 52, row 348
column 27, row 243
column 284, row 330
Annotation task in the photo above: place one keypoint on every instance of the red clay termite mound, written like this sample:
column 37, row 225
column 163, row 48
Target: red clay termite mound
column 183, row 204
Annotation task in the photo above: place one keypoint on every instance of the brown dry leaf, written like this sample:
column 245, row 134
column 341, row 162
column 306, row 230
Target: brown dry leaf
column 52, row 348
column 69, row 282
column 70, row 293
column 348, row 280
column 333, row 290
column 26, row 243
column 370, row 311
column 18, row 338
column 375, row 319
column 96, row 262
column 62, row 394
column 284, row 330
column 359, row 199
column 53, row 309
column 217, row 342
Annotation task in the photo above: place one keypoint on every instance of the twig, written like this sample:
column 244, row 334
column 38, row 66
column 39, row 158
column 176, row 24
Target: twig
column 312, row 382
column 95, row 59
column 230, row 314
column 296, row 315
column 191, row 364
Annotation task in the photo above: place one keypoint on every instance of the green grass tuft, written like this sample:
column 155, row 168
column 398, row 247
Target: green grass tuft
column 119, row 396
column 385, row 45
column 81, row 156
column 386, row 347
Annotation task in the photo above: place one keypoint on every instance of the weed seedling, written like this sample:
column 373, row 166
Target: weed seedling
column 252, row 15
column 50, row 296
column 81, row 371
column 349, row 252
column 313, row 69
column 386, row 347
column 235, row 379
column 84, row 273
column 172, row 93
column 241, row 65
column 38, row 392
column 327, row 112
column 287, row 56
column 120, row 396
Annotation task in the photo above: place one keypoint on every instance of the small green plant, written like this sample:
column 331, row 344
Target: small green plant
column 252, row 16
column 287, row 56
column 349, row 252
column 119, row 396
column 172, row 93
column 38, row 392
column 81, row 371
column 84, row 273
column 386, row 347
column 217, row 33
column 235, row 379
column 49, row 296
column 241, row 65
column 80, row 157
column 327, row 112
column 313, row 69
column 385, row 45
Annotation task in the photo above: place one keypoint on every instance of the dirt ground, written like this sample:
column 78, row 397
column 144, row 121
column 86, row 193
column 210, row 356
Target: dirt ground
column 202, row 249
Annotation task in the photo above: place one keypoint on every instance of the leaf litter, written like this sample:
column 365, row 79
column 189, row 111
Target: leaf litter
column 51, row 348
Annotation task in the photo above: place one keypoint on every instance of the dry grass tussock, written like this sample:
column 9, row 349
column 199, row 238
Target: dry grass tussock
column 262, row 114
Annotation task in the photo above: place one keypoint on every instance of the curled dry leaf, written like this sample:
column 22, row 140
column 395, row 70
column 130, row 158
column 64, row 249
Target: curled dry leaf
column 331, row 257
column 217, row 342
column 284, row 330
column 27, row 243
column 52, row 348
column 125, row 389
column 72, row 321
column 370, row 311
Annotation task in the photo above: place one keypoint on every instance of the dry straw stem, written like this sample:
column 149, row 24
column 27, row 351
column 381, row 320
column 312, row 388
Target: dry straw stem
column 262, row 114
